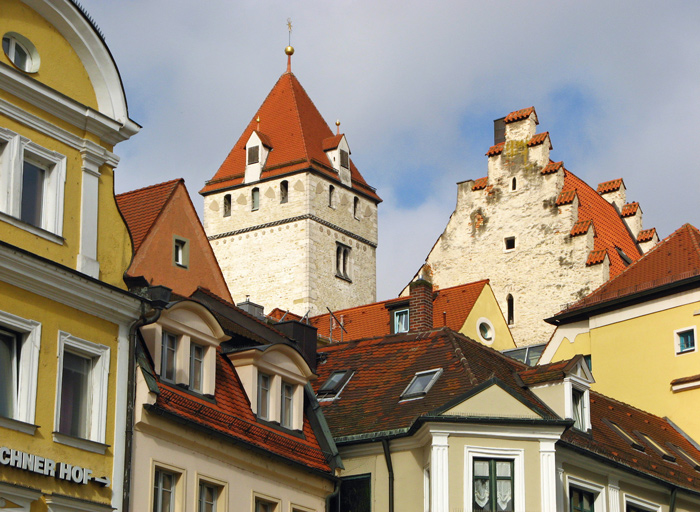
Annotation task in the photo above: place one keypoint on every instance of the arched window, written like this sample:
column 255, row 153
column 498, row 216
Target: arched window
column 331, row 194
column 227, row 205
column 284, row 191
column 342, row 261
column 346, row 257
column 510, row 305
column 255, row 199
column 514, row 184
column 355, row 207
column 339, row 261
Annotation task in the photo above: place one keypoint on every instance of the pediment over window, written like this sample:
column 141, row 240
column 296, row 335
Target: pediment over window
column 490, row 401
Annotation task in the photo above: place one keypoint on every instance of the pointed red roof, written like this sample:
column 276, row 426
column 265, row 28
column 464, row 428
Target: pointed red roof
column 295, row 131
column 140, row 208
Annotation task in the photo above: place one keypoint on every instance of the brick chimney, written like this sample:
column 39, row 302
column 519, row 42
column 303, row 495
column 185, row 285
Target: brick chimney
column 420, row 306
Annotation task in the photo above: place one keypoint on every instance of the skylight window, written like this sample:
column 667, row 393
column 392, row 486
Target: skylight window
column 656, row 446
column 624, row 435
column 690, row 460
column 421, row 384
column 334, row 384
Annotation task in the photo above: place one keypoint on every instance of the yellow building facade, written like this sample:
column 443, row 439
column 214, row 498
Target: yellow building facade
column 65, row 314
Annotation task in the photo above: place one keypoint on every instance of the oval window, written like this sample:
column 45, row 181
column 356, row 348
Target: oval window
column 21, row 52
column 485, row 330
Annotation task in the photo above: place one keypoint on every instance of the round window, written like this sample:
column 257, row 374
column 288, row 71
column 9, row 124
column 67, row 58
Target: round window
column 485, row 330
column 21, row 52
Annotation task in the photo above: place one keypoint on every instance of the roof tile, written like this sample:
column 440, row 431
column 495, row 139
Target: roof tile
column 629, row 209
column 519, row 115
column 552, row 167
column 480, row 184
column 566, row 197
column 646, row 235
column 581, row 227
column 596, row 257
column 609, row 186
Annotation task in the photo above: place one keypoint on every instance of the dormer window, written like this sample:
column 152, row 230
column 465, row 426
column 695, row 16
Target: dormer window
column 287, row 403
column 421, row 384
column 344, row 159
column 167, row 358
column 578, row 406
column 253, row 155
column 401, row 321
column 196, row 366
column 263, row 396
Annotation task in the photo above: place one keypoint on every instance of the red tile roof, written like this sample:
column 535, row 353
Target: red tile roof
column 264, row 139
column 495, row 149
column 596, row 257
column 581, row 227
column 674, row 259
column 332, row 142
column 552, row 372
column 232, row 416
column 646, row 235
column 480, row 184
column 536, row 140
column 519, row 115
column 629, row 209
column 296, row 132
column 566, row 197
column 451, row 307
column 552, row 167
column 140, row 208
column 609, row 186
column 610, row 229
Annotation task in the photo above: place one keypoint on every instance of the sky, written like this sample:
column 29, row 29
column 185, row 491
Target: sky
column 416, row 86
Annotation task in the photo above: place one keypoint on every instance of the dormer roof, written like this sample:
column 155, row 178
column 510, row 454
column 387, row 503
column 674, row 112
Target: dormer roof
column 556, row 372
column 332, row 142
column 295, row 131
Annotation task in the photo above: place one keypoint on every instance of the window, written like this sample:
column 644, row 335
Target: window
column 342, row 261
column 510, row 243
column 355, row 495
column 168, row 357
column 485, row 330
column 578, row 409
column 263, row 396
column 255, row 199
column 513, row 184
column 263, row 505
column 492, row 486
column 421, row 384
column 334, row 384
column 656, row 446
column 284, row 192
column 344, row 159
column 286, row 414
column 33, row 178
column 581, row 501
column 634, row 504
column 401, row 321
column 624, row 435
column 227, row 205
column 510, row 303
column 331, row 194
column 164, row 491
column 355, row 207
column 253, row 155
column 21, row 52
column 82, row 392
column 208, row 495
column 685, row 340
column 196, row 366
column 181, row 252
column 9, row 372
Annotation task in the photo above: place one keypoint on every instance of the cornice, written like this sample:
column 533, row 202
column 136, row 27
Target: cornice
column 66, row 286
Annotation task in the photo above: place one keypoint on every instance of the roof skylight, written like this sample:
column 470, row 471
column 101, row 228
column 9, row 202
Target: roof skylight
column 334, row 384
column 421, row 384
column 624, row 435
column 656, row 446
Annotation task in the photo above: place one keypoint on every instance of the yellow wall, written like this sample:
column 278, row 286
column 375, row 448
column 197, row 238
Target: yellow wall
column 61, row 68
column 486, row 306
column 56, row 317
column 634, row 360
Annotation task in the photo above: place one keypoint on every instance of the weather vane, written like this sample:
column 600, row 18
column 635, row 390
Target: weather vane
column 289, row 26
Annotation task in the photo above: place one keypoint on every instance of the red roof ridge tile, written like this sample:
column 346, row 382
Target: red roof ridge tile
column 332, row 142
column 495, row 149
column 629, row 209
column 609, row 186
column 518, row 115
column 539, row 138
column 552, row 167
column 480, row 183
column 581, row 227
column 566, row 197
column 596, row 257
column 646, row 234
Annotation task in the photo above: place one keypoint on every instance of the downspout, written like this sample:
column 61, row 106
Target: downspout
column 331, row 496
column 130, row 401
column 390, row 469
column 672, row 502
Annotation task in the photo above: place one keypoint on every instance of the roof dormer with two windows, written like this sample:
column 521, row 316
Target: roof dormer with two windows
column 338, row 152
column 257, row 149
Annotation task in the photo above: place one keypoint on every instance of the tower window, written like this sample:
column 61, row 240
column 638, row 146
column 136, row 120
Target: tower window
column 331, row 196
column 344, row 159
column 510, row 303
column 514, row 184
column 284, row 191
column 253, row 155
column 510, row 243
column 255, row 199
column 227, row 205
column 342, row 261
column 355, row 207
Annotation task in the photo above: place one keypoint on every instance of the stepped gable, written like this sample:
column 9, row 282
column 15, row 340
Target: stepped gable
column 383, row 367
column 296, row 131
column 140, row 208
column 673, row 259
column 230, row 415
column 646, row 235
column 610, row 229
column 371, row 320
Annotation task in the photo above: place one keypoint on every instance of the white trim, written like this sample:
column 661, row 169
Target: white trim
column 29, row 364
column 517, row 455
column 99, row 376
column 22, row 496
column 677, row 341
column 687, row 386
column 486, row 321
column 439, row 462
column 548, row 476
column 600, row 501
column 639, row 502
column 614, row 494
column 426, row 488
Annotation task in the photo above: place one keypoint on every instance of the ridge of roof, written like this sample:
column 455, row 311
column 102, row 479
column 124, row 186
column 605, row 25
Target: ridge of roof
column 519, row 115
column 142, row 207
column 609, row 186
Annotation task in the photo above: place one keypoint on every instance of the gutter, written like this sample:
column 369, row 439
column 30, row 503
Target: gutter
column 334, row 494
column 390, row 469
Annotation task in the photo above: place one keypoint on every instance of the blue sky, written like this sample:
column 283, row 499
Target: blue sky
column 416, row 89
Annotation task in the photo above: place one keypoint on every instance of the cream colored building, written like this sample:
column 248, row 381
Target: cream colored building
column 541, row 235
column 292, row 221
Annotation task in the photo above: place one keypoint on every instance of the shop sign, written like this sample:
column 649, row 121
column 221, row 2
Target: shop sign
column 47, row 467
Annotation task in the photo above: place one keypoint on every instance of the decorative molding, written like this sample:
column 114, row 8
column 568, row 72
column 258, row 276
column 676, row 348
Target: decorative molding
column 439, row 474
column 548, row 476
column 19, row 426
column 82, row 444
column 307, row 216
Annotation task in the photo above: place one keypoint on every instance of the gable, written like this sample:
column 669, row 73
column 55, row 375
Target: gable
column 493, row 402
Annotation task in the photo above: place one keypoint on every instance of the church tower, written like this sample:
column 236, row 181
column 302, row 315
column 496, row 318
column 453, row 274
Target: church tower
column 291, row 220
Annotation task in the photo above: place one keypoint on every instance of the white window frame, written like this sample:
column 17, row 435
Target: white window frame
column 600, row 503
column 99, row 377
column 517, row 455
column 193, row 359
column 275, row 502
column 650, row 506
column 284, row 407
column 488, row 323
column 16, row 149
column 571, row 383
column 34, row 61
column 396, row 315
column 25, row 399
column 677, row 340
column 268, row 402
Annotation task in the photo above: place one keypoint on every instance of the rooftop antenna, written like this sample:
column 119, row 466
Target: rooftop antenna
column 289, row 50
column 340, row 323
column 306, row 317
column 284, row 316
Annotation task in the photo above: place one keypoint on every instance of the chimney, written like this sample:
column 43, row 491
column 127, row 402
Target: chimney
column 420, row 306
column 499, row 130
column 303, row 336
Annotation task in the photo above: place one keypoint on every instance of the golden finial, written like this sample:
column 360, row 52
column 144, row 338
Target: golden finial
column 337, row 126
column 289, row 50
column 258, row 121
